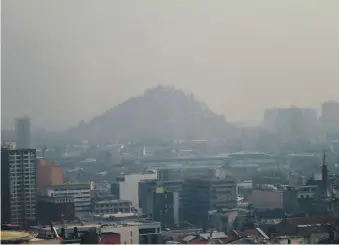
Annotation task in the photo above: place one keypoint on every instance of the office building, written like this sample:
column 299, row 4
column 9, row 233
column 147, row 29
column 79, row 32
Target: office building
column 112, row 206
column 166, row 207
column 63, row 209
column 18, row 186
column 152, row 199
column 23, row 132
column 126, row 186
column 48, row 174
column 199, row 196
column 81, row 194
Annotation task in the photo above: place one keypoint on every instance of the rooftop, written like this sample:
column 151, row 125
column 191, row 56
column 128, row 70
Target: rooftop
column 114, row 201
column 14, row 236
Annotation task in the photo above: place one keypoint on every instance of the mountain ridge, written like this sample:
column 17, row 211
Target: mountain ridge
column 164, row 113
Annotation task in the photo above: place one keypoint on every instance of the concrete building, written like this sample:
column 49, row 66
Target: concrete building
column 81, row 193
column 291, row 123
column 18, row 186
column 112, row 206
column 202, row 195
column 166, row 207
column 149, row 188
column 23, row 133
column 135, row 232
column 330, row 117
column 63, row 209
column 48, row 174
column 263, row 199
column 126, row 186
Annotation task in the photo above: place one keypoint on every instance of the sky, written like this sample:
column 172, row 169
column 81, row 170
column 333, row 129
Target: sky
column 65, row 61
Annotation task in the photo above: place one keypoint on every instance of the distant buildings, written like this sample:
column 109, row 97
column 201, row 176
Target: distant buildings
column 264, row 199
column 291, row 123
column 48, row 174
column 23, row 133
column 330, row 117
column 199, row 196
column 18, row 186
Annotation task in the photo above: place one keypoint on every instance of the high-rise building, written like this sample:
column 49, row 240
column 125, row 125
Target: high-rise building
column 199, row 196
column 48, row 174
column 18, row 186
column 23, row 132
column 291, row 123
column 330, row 117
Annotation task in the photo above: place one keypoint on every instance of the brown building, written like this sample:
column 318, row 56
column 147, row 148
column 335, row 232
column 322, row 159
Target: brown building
column 48, row 174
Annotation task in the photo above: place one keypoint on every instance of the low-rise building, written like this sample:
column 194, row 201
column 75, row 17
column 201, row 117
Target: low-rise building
column 112, row 206
column 81, row 194
column 135, row 232
column 263, row 199
column 63, row 209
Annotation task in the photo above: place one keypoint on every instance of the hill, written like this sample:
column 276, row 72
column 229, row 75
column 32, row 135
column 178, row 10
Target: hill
column 162, row 113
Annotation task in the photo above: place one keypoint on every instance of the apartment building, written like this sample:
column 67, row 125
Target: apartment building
column 18, row 186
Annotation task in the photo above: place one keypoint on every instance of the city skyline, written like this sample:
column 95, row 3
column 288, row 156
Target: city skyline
column 268, row 54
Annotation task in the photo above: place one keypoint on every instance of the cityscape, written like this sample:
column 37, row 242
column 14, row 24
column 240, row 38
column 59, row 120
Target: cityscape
column 163, row 167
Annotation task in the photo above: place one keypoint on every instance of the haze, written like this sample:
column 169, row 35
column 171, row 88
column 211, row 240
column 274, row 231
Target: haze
column 64, row 61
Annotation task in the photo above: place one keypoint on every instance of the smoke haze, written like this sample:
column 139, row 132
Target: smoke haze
column 64, row 61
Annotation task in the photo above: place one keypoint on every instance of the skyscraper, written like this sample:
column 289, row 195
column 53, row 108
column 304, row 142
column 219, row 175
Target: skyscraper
column 18, row 186
column 22, row 132
column 330, row 117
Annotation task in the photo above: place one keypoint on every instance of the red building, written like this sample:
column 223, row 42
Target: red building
column 48, row 174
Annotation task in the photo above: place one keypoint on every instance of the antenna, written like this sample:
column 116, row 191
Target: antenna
column 324, row 158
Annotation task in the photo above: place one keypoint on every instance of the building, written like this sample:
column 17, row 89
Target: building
column 18, row 186
column 126, row 186
column 290, row 123
column 48, row 174
column 149, row 188
column 23, row 132
column 166, row 207
column 63, row 209
column 81, row 194
column 135, row 232
column 265, row 199
column 112, row 206
column 330, row 117
column 202, row 195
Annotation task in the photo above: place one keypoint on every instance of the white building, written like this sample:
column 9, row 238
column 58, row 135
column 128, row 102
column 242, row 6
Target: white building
column 127, row 186
column 131, row 232
column 18, row 168
column 81, row 194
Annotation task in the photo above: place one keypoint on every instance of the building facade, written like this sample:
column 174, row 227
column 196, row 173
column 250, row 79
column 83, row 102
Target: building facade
column 112, row 206
column 63, row 209
column 23, row 133
column 126, row 186
column 199, row 196
column 48, row 174
column 18, row 186
column 330, row 117
column 81, row 194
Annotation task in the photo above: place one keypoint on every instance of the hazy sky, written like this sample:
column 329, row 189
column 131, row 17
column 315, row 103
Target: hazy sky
column 67, row 60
